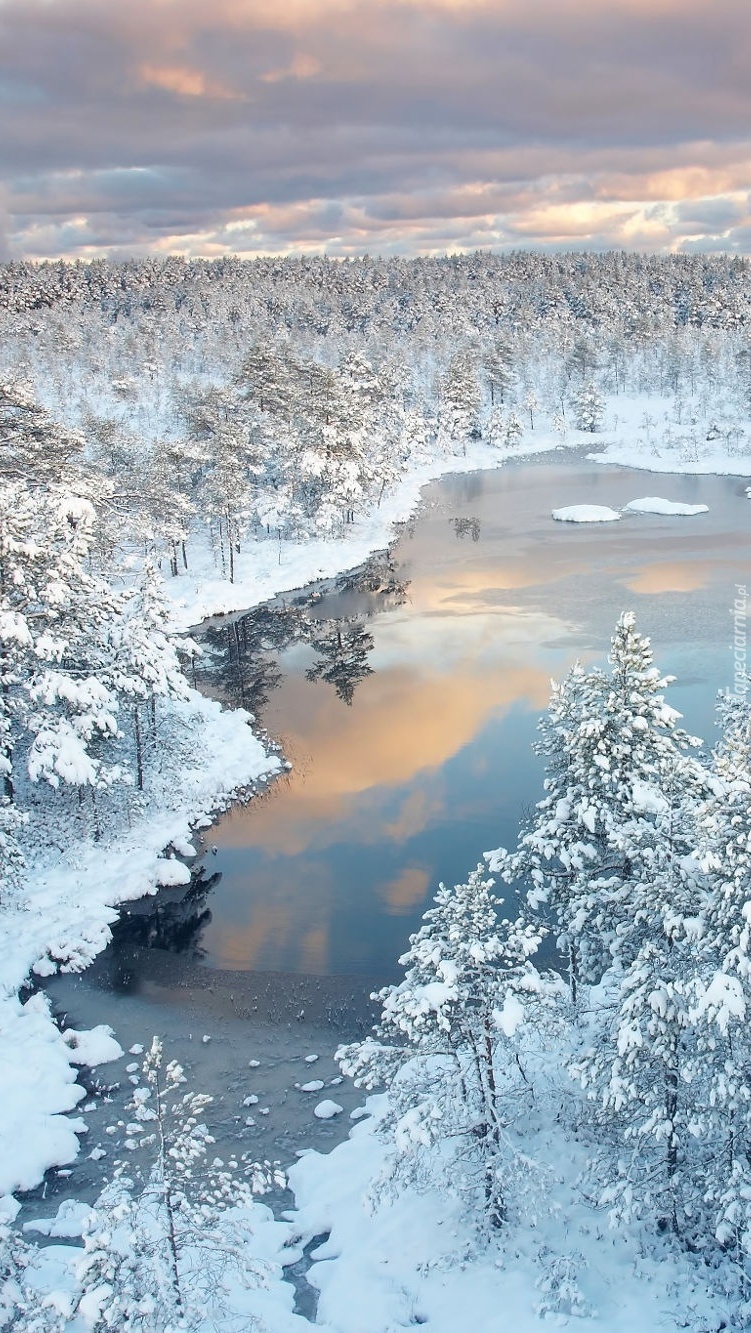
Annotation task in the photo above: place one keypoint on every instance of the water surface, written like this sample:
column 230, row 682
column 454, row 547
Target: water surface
column 409, row 714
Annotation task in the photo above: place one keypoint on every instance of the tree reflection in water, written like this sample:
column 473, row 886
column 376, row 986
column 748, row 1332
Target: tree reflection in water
column 239, row 659
column 466, row 527
column 343, row 660
column 167, row 922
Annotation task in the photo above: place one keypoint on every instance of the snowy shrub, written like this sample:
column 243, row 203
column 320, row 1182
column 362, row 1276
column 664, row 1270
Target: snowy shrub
column 166, row 1244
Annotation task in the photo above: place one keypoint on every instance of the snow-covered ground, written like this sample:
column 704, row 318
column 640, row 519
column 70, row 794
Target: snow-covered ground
column 395, row 1260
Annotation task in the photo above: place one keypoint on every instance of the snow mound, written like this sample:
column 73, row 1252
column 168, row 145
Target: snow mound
column 170, row 872
column 95, row 1047
column 326, row 1110
column 585, row 514
column 654, row 504
column 70, row 1221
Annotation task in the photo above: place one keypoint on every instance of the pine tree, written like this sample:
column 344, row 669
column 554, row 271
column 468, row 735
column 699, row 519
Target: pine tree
column 589, row 407
column 613, row 748
column 723, row 1110
column 20, row 1305
column 446, row 1045
column 459, row 401
column 145, row 663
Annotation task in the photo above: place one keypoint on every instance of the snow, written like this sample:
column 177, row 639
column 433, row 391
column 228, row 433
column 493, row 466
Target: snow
column 510, row 1016
column 70, row 1221
column 326, row 1110
column 95, row 1047
column 654, row 504
column 585, row 514
column 314, row 1085
column 169, row 872
column 647, row 799
column 39, row 1088
column 415, row 1257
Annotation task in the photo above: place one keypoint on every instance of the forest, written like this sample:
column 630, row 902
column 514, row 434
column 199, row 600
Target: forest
column 172, row 426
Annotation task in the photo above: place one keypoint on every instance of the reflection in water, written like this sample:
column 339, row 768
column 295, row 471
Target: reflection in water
column 172, row 920
column 408, row 890
column 343, row 660
column 467, row 527
column 670, row 576
column 431, row 761
column 405, row 724
column 240, row 658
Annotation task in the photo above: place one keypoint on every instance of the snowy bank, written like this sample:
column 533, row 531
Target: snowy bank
column 64, row 921
column 395, row 1259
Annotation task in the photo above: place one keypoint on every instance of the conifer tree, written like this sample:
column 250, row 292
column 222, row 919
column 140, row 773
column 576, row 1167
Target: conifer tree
column 446, row 1041
column 723, row 1007
column 163, row 1236
column 612, row 747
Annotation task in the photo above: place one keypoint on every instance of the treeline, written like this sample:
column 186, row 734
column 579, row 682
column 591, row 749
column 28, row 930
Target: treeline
column 636, row 864
column 639, row 292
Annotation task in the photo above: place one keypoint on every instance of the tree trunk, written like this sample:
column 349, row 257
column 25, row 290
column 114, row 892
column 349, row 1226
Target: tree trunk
column 139, row 747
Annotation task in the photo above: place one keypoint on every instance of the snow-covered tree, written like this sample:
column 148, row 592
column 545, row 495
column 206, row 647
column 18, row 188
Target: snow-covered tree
column 446, row 1045
column 33, row 447
column 639, row 1069
column 497, row 363
column 589, row 407
column 145, row 662
column 460, row 399
column 21, row 1307
column 723, row 1006
column 54, row 617
column 613, row 749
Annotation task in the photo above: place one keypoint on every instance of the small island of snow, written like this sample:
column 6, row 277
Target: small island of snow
column 585, row 514
column 654, row 504
column 326, row 1110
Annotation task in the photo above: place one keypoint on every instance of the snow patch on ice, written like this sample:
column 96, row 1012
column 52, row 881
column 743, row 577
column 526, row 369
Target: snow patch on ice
column 326, row 1110
column 95, row 1047
column 654, row 504
column 585, row 514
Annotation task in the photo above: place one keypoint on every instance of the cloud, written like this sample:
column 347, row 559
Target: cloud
column 405, row 125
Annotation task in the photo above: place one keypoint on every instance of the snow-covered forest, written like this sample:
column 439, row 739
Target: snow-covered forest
column 184, row 438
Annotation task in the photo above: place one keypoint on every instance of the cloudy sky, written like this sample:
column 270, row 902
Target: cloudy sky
column 389, row 126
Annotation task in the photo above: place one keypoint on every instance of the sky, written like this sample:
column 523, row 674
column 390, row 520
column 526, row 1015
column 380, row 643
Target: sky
column 207, row 127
